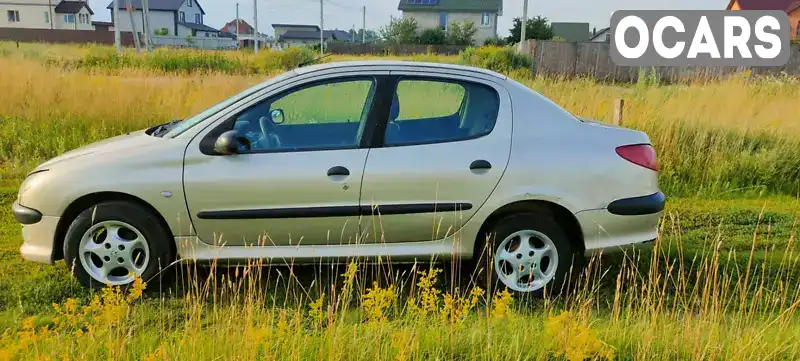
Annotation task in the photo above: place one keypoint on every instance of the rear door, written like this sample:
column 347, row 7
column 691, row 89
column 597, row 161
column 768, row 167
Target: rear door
column 445, row 146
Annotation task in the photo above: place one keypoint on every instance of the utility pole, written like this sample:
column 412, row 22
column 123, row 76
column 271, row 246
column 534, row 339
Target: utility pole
column 50, row 13
column 321, row 31
column 133, row 27
column 255, row 24
column 115, row 23
column 146, row 24
column 363, row 25
column 237, row 25
column 523, row 45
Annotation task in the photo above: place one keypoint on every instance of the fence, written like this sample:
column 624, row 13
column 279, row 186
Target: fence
column 587, row 59
column 393, row 49
column 201, row 43
column 63, row 36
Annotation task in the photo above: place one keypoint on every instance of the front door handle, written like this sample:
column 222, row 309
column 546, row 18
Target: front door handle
column 338, row 170
column 480, row 164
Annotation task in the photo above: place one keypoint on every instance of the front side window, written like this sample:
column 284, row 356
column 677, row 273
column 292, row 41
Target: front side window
column 324, row 116
column 443, row 20
column 189, row 3
column 197, row 19
column 46, row 17
column 436, row 111
column 13, row 16
column 485, row 19
column 183, row 17
column 70, row 18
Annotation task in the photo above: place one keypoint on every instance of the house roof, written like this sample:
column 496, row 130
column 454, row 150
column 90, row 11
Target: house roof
column 72, row 7
column 310, row 35
column 296, row 26
column 102, row 23
column 451, row 5
column 156, row 5
column 762, row 4
column 200, row 27
column 244, row 26
column 600, row 33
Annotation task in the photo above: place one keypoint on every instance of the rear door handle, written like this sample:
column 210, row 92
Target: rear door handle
column 480, row 164
column 338, row 170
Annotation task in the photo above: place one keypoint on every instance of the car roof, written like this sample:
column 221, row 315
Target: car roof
column 389, row 64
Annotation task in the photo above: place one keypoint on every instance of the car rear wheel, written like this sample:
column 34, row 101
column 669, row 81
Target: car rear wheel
column 530, row 253
column 113, row 243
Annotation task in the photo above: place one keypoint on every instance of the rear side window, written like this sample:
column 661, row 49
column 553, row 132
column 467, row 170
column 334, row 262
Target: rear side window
column 426, row 111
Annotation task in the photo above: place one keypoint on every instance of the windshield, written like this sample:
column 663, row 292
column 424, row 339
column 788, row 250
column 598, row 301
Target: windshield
column 181, row 126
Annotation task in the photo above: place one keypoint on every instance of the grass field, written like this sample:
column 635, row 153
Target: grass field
column 722, row 282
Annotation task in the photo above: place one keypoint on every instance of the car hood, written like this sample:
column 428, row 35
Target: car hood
column 108, row 148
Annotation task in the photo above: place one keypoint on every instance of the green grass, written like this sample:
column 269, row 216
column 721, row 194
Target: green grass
column 209, row 311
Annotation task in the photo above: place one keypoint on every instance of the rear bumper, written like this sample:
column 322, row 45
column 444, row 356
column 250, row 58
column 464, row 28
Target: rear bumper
column 626, row 223
column 638, row 206
column 39, row 237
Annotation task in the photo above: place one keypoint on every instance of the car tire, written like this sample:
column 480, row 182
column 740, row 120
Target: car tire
column 548, row 242
column 113, row 237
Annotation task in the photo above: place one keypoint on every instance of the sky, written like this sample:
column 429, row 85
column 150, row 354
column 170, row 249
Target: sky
column 346, row 14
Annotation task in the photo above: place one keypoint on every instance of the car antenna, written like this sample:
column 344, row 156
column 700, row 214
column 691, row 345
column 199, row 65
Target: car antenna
column 313, row 60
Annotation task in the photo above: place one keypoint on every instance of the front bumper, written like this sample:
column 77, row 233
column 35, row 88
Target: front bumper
column 38, row 233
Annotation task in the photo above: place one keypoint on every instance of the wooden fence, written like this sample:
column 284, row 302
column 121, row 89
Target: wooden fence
column 393, row 49
column 587, row 59
column 63, row 36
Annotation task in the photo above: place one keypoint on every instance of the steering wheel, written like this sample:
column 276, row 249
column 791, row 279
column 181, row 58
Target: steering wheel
column 270, row 138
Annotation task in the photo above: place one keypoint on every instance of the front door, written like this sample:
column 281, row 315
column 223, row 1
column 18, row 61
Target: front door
column 300, row 181
column 445, row 148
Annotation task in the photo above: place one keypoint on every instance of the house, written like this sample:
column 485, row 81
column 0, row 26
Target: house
column 304, row 35
column 181, row 18
column 571, row 32
column 793, row 10
column 103, row 25
column 281, row 29
column 431, row 14
column 244, row 27
column 601, row 36
column 46, row 14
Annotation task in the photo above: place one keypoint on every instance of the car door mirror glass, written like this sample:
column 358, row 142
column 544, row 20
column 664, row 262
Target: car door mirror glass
column 230, row 143
column 277, row 116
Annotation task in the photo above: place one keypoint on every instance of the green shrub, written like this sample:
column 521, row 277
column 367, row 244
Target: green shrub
column 499, row 59
column 287, row 59
column 188, row 61
column 435, row 36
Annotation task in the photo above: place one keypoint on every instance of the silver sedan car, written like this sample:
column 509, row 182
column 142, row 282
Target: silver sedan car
column 402, row 160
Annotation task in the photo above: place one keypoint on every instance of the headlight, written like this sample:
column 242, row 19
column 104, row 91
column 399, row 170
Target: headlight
column 29, row 181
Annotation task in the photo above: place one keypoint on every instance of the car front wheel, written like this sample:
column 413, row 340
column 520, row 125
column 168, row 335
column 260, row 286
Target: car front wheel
column 113, row 243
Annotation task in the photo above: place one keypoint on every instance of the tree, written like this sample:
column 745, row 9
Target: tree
column 461, row 33
column 434, row 36
column 537, row 28
column 400, row 31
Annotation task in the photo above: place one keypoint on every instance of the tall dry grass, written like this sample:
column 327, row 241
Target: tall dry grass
column 662, row 305
column 738, row 134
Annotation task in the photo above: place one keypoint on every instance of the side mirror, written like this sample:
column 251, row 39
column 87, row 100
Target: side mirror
column 230, row 143
column 277, row 116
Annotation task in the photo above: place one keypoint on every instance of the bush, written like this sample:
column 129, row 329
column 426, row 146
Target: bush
column 434, row 36
column 495, row 42
column 287, row 59
column 499, row 59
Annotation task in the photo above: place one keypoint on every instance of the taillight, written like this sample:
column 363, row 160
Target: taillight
column 640, row 154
